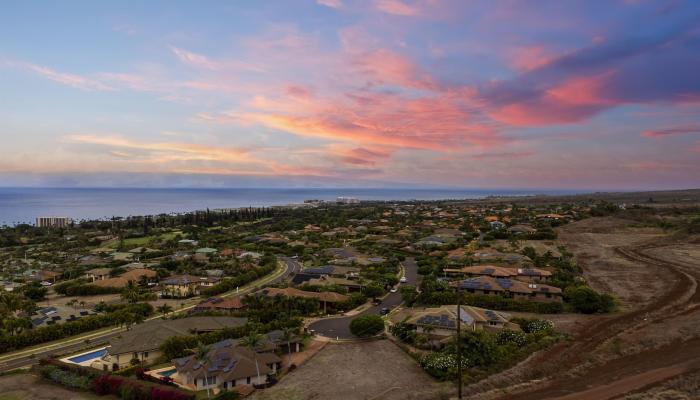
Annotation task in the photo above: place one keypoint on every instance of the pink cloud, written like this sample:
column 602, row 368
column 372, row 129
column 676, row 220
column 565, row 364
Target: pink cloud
column 194, row 59
column 440, row 122
column 358, row 156
column 330, row 3
column 398, row 7
column 648, row 166
column 386, row 67
column 299, row 91
column 73, row 80
column 569, row 101
column 681, row 130
column 529, row 58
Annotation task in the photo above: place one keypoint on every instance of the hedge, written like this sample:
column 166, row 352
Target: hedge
column 240, row 280
column 85, row 378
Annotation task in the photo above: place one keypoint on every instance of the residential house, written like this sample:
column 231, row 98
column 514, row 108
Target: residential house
column 497, row 225
column 185, row 285
column 98, row 274
column 143, row 341
column 335, row 271
column 43, row 276
column 53, row 315
column 139, row 276
column 441, row 322
column 509, row 288
column 522, row 229
column 218, row 304
column 122, row 256
column 326, row 300
column 350, row 285
column 226, row 367
column 523, row 274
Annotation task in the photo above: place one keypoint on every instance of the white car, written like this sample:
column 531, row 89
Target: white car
column 393, row 290
column 403, row 279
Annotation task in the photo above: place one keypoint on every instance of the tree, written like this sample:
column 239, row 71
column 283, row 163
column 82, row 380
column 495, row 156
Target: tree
column 287, row 335
column 586, row 300
column 373, row 290
column 408, row 294
column 164, row 309
column 479, row 348
column 16, row 325
column 131, row 293
column 34, row 291
column 367, row 325
column 253, row 342
column 11, row 302
column 201, row 354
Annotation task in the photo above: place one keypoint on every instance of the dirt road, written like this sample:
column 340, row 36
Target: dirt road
column 595, row 373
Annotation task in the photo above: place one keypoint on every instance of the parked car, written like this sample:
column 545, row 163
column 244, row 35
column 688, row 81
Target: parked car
column 384, row 311
column 376, row 302
column 403, row 279
column 393, row 290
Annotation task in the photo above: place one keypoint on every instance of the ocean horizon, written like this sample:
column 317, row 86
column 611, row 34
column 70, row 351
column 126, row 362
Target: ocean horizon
column 24, row 205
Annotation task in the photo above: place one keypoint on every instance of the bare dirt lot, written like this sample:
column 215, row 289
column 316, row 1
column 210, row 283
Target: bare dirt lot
column 30, row 387
column 358, row 371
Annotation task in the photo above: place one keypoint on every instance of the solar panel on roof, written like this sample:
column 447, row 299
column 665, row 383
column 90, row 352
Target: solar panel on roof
column 505, row 283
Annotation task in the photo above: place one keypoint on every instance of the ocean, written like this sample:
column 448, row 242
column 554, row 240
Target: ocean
column 23, row 205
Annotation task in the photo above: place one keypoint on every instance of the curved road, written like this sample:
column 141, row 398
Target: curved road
column 339, row 327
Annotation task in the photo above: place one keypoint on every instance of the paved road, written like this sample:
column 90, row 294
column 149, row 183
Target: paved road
column 73, row 348
column 291, row 266
column 340, row 327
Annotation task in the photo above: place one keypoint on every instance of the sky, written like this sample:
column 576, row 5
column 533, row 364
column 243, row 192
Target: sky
column 600, row 95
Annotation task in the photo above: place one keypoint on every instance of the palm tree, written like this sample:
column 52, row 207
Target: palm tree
column 287, row 335
column 165, row 309
column 253, row 342
column 201, row 354
column 130, row 293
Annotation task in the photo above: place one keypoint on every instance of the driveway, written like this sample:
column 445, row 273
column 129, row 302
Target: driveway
column 339, row 327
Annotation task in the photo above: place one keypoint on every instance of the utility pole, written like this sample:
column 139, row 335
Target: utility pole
column 459, row 343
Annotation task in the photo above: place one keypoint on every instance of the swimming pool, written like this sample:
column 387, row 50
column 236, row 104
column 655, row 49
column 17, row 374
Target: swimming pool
column 88, row 356
column 167, row 373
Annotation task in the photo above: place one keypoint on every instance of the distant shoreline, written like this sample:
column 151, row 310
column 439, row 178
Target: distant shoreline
column 23, row 205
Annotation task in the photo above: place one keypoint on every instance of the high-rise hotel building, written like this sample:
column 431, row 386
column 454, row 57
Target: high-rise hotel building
column 53, row 222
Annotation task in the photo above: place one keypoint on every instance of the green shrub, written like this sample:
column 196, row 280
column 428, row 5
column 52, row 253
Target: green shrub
column 587, row 301
column 367, row 325
column 64, row 378
column 507, row 336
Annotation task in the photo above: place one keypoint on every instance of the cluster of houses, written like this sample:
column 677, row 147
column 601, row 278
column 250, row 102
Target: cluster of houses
column 227, row 365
